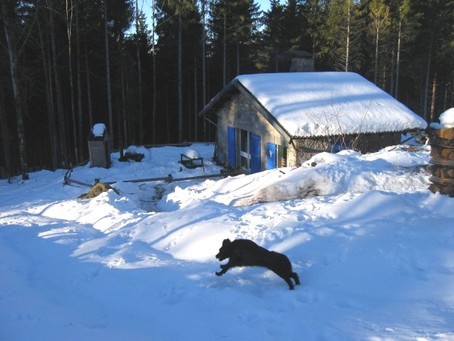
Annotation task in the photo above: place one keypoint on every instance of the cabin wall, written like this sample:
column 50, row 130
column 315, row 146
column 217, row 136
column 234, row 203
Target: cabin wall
column 305, row 148
column 241, row 113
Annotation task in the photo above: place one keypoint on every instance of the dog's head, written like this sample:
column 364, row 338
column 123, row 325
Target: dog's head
column 225, row 251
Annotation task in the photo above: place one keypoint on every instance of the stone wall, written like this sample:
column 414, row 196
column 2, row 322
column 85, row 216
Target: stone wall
column 365, row 143
column 241, row 113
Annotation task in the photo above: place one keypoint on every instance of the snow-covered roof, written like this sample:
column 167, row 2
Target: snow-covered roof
column 329, row 103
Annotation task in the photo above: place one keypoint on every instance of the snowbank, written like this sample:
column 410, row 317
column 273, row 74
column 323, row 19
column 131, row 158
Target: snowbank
column 374, row 253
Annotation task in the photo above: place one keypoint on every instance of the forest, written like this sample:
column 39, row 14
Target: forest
column 146, row 74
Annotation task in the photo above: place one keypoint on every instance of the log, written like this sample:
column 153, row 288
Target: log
column 442, row 161
column 442, row 171
column 441, row 153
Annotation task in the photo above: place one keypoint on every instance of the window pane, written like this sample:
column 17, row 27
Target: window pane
column 244, row 162
column 244, row 141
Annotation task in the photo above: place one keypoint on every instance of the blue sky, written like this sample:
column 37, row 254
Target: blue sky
column 264, row 4
column 145, row 5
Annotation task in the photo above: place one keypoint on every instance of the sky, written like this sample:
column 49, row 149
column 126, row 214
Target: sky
column 146, row 5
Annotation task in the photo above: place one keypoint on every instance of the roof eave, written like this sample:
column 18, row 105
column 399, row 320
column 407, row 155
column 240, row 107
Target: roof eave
column 222, row 96
column 217, row 100
column 406, row 130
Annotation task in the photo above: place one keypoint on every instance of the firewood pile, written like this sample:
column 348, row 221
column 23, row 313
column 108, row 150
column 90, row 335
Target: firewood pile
column 442, row 161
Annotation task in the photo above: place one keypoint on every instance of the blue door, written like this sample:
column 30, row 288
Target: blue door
column 256, row 164
column 271, row 154
column 231, row 147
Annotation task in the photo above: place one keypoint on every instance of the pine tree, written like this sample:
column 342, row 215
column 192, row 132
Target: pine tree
column 379, row 12
column 273, row 37
column 233, row 38
column 341, row 35
column 405, row 33
column 295, row 27
column 315, row 11
column 179, row 43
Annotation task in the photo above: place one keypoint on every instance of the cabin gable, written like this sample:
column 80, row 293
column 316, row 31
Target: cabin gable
column 241, row 127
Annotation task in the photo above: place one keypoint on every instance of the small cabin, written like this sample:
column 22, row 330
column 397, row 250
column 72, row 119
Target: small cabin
column 265, row 121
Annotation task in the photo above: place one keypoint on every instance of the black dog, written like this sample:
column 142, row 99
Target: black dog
column 243, row 252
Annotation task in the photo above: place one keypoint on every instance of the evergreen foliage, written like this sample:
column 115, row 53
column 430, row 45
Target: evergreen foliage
column 61, row 71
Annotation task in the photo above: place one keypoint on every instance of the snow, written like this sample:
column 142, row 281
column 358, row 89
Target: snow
column 98, row 129
column 192, row 153
column 373, row 247
column 447, row 118
column 329, row 103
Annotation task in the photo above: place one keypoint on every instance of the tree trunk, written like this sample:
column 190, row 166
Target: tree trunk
column 62, row 141
column 427, row 80
column 452, row 93
column 108, row 86
column 69, row 19
column 153, row 113
column 203, row 54
column 399, row 42
column 79, row 86
column 237, row 57
column 52, row 129
column 204, row 88
column 12, row 54
column 139, row 71
column 120, row 113
column 196, row 120
column 180, row 79
column 5, row 137
column 433, row 100
column 124, row 140
column 347, row 43
column 89, row 103
column 377, row 39
column 167, row 115
column 224, row 49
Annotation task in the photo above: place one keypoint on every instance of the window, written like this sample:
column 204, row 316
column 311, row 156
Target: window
column 282, row 156
column 245, row 155
column 277, row 156
column 244, row 150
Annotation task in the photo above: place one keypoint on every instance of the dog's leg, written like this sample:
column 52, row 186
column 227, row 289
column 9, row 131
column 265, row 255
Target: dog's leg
column 289, row 282
column 225, row 267
column 284, row 275
column 220, row 273
column 223, row 271
column 294, row 275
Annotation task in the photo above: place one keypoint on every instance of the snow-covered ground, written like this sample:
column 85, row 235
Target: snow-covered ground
column 373, row 247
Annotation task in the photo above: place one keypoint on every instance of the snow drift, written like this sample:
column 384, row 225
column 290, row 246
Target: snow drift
column 374, row 252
